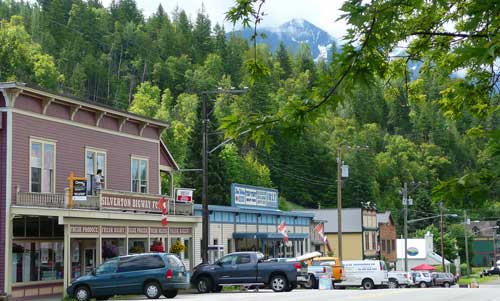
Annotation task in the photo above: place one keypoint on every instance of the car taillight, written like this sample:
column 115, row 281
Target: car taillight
column 169, row 274
column 324, row 270
column 298, row 266
column 340, row 271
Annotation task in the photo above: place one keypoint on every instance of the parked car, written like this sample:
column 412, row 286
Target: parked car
column 364, row 273
column 249, row 269
column 400, row 279
column 314, row 273
column 442, row 279
column 422, row 279
column 492, row 271
column 151, row 274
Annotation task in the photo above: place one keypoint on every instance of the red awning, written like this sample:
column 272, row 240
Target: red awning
column 424, row 267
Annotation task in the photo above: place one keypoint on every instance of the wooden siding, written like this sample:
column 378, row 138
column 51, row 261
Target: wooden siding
column 86, row 117
column 58, row 110
column 109, row 123
column 70, row 153
column 27, row 103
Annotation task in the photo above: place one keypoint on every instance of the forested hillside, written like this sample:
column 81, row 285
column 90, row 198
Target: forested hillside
column 159, row 65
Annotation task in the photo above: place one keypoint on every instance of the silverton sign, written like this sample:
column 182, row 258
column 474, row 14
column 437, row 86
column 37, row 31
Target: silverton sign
column 110, row 200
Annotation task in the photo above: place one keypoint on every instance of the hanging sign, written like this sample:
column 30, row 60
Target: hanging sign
column 77, row 189
column 184, row 195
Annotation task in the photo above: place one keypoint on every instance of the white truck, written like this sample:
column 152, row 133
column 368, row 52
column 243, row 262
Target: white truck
column 400, row 279
column 367, row 274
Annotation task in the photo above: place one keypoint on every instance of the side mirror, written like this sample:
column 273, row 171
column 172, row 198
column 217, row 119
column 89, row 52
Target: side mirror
column 93, row 272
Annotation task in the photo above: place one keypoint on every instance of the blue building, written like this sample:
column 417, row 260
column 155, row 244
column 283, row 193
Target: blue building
column 251, row 224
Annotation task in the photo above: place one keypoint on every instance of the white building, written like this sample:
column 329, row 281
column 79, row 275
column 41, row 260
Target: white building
column 420, row 251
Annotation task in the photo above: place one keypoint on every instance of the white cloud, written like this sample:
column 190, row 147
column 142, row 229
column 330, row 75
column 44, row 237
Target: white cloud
column 322, row 13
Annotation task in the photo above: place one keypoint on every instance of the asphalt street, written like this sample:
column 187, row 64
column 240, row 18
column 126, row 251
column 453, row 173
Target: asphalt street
column 484, row 293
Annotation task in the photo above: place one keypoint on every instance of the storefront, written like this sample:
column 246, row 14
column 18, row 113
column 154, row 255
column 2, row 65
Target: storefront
column 49, row 251
column 251, row 224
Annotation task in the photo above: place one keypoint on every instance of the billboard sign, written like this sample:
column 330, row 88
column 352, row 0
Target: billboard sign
column 253, row 196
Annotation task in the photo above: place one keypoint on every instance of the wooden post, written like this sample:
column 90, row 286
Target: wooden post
column 71, row 177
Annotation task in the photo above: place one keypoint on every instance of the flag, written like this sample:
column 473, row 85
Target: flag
column 282, row 230
column 320, row 228
column 162, row 204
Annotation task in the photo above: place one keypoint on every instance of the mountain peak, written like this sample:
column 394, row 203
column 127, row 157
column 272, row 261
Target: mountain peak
column 295, row 32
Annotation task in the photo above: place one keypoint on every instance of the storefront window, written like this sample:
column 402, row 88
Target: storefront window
column 112, row 247
column 37, row 261
column 187, row 246
column 137, row 246
column 156, row 246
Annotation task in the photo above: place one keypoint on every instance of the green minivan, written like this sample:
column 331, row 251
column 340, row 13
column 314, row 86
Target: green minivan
column 151, row 274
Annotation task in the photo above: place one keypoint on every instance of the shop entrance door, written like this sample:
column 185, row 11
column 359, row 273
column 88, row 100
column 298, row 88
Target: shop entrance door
column 89, row 260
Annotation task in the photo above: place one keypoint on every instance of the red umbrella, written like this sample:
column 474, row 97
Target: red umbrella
column 424, row 267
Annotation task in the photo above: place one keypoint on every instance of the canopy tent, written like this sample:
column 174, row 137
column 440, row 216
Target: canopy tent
column 424, row 267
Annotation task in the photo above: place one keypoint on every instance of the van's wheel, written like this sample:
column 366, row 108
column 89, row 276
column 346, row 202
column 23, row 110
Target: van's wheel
column 446, row 284
column 423, row 284
column 82, row 293
column 367, row 284
column 204, row 285
column 169, row 294
column 279, row 283
column 152, row 290
column 311, row 283
column 392, row 284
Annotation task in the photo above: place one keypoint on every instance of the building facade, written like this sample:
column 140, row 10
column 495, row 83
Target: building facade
column 484, row 237
column 359, row 232
column 52, row 237
column 244, row 227
column 419, row 251
column 388, row 237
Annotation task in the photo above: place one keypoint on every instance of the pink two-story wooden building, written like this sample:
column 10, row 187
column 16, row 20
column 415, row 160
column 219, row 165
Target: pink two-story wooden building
column 48, row 238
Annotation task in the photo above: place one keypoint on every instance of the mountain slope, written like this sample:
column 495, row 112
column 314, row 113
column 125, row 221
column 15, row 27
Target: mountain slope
column 292, row 34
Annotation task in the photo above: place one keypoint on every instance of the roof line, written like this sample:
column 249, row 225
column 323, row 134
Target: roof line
column 80, row 101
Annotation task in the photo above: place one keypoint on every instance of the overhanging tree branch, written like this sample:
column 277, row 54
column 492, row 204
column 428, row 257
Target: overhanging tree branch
column 448, row 34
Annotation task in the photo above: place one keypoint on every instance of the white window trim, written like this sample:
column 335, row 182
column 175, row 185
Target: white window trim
column 137, row 157
column 100, row 151
column 43, row 141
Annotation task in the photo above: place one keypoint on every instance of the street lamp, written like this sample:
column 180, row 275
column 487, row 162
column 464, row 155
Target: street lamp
column 205, row 152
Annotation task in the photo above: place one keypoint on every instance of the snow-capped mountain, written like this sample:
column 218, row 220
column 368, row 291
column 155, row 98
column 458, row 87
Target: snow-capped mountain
column 292, row 34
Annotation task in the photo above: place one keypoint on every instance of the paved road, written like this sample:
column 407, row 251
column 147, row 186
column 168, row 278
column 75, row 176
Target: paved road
column 486, row 293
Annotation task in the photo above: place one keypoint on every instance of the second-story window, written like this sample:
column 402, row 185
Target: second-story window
column 94, row 160
column 42, row 166
column 139, row 175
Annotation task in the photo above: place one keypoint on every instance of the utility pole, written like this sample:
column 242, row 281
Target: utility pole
column 494, row 247
column 339, row 201
column 466, row 222
column 204, row 193
column 405, row 203
column 442, row 236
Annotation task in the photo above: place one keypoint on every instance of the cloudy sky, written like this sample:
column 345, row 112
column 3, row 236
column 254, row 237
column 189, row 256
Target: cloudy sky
column 321, row 13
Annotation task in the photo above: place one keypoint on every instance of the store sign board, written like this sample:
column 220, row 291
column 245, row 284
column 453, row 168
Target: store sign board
column 137, row 230
column 84, row 229
column 113, row 230
column 119, row 201
column 180, row 230
column 253, row 196
column 158, row 230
